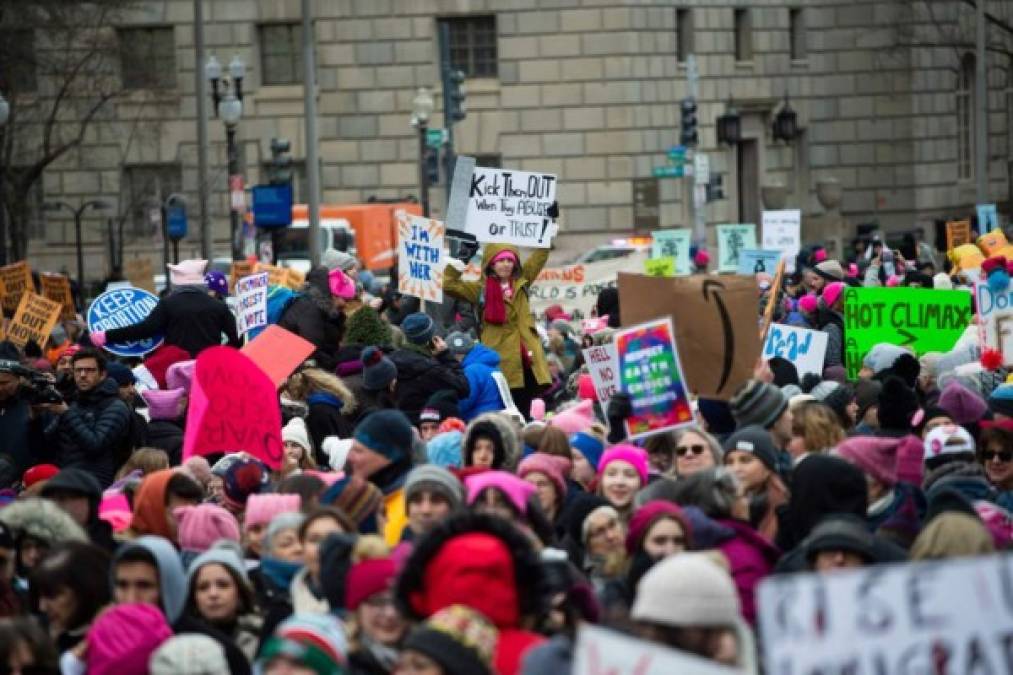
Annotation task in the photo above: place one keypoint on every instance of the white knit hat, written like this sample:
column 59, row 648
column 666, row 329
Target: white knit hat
column 687, row 589
column 295, row 432
column 189, row 655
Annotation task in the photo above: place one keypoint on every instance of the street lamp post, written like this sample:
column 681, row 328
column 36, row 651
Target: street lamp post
column 78, row 214
column 5, row 112
column 422, row 108
column 228, row 105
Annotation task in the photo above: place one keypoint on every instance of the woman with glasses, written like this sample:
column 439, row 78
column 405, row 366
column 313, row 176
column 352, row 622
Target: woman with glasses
column 695, row 450
column 376, row 628
column 995, row 452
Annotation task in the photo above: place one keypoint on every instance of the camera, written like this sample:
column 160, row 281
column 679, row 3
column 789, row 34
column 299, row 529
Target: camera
column 40, row 389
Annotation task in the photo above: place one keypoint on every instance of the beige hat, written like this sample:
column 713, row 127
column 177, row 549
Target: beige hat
column 687, row 589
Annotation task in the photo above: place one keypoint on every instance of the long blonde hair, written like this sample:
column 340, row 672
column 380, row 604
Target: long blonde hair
column 818, row 426
column 311, row 380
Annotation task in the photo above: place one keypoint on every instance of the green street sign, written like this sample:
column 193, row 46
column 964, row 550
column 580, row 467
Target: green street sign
column 677, row 152
column 667, row 171
column 435, row 138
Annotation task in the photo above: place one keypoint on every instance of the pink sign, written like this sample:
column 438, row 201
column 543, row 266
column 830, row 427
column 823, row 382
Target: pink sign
column 233, row 408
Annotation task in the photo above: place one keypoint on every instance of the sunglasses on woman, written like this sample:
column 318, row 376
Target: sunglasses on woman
column 1001, row 455
column 683, row 450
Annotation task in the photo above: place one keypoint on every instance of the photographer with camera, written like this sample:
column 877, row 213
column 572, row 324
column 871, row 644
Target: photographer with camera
column 22, row 442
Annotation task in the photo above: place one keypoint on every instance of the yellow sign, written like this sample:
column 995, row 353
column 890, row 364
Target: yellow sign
column 56, row 287
column 17, row 280
column 660, row 267
column 33, row 320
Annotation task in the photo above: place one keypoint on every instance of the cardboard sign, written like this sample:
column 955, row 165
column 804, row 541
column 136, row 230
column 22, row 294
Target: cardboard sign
column 576, row 287
column 294, row 279
column 803, row 347
column 600, row 651
column 140, row 273
column 782, row 231
column 732, row 241
column 673, row 244
column 276, row 276
column 757, row 260
column 988, row 217
column 251, row 303
column 508, row 207
column 603, row 365
column 659, row 267
column 919, row 319
column 233, row 408
column 17, row 280
column 958, row 233
column 56, row 287
column 33, row 320
column 715, row 325
column 995, row 319
column 420, row 256
column 121, row 307
column 649, row 371
column 238, row 270
column 951, row 616
column 278, row 352
column 772, row 299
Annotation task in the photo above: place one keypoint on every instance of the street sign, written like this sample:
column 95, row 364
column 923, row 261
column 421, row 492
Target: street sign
column 701, row 168
column 677, row 153
column 175, row 222
column 272, row 205
column 668, row 171
column 436, row 138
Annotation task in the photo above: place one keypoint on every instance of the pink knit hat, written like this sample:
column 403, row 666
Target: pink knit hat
column 998, row 522
column 164, row 405
column 575, row 419
column 516, row 490
column 341, row 284
column 122, row 639
column 585, row 388
column 202, row 525
column 876, row 457
column 831, row 292
column 187, row 272
column 963, row 405
column 180, row 375
column 554, row 467
column 631, row 454
column 808, row 303
column 503, row 255
column 115, row 510
column 261, row 509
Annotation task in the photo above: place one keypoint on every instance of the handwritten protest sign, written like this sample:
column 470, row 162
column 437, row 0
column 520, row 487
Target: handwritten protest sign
column 782, row 231
column 33, row 320
column 56, row 287
column 715, row 325
column 600, row 651
column 576, row 287
column 988, row 217
column 673, row 244
column 922, row 320
column 17, row 280
column 121, row 307
column 233, row 407
column 756, row 260
column 278, row 352
column 659, row 267
column 509, row 207
column 238, row 270
column 958, row 233
column 420, row 256
column 140, row 273
column 952, row 616
column 251, row 303
column 649, row 371
column 995, row 319
column 732, row 241
column 603, row 365
column 804, row 348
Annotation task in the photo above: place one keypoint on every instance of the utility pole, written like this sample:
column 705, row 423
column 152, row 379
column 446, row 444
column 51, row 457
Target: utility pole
column 981, row 109
column 310, row 111
column 452, row 81
column 206, row 245
column 695, row 193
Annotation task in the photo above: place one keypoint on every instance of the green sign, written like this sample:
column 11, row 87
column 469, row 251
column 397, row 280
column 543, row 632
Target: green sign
column 660, row 267
column 677, row 154
column 435, row 138
column 667, row 171
column 921, row 320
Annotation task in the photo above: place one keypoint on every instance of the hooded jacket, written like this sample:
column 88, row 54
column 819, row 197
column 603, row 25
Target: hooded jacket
column 330, row 414
column 820, row 485
column 149, row 505
column 504, row 437
column 483, row 396
column 419, row 376
column 751, row 559
column 166, row 435
column 312, row 317
column 519, row 331
column 188, row 317
column 81, row 482
column 93, row 429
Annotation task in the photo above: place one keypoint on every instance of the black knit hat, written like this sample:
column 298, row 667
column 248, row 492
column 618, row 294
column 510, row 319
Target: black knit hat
column 758, row 403
column 841, row 532
column 459, row 639
column 897, row 405
column 866, row 396
column 377, row 370
column 756, row 441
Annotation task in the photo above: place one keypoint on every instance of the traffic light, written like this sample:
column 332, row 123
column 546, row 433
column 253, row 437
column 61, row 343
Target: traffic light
column 432, row 166
column 455, row 83
column 689, row 136
column 280, row 171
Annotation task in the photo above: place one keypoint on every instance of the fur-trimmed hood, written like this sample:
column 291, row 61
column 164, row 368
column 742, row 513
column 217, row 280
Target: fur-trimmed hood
column 501, row 425
column 42, row 519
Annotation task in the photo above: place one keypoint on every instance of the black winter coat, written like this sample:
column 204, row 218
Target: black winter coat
column 21, row 438
column 420, row 376
column 189, row 318
column 92, row 432
column 325, row 419
column 312, row 316
column 167, row 435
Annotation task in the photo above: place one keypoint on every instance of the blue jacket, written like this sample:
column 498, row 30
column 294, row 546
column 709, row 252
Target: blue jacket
column 479, row 365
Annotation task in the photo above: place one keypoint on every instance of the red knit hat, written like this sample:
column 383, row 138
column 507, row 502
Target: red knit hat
column 39, row 472
column 585, row 388
column 159, row 361
column 367, row 578
column 647, row 515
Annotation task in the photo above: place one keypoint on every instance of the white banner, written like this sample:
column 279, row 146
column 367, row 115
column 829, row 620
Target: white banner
column 576, row 287
column 782, row 231
column 600, row 651
column 251, row 302
column 603, row 365
column 508, row 207
column 420, row 256
column 804, row 348
column 995, row 319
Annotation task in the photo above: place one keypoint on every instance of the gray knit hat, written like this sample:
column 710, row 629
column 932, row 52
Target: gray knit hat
column 757, row 403
column 189, row 654
column 377, row 370
column 757, row 442
column 459, row 344
column 338, row 260
column 437, row 479
column 686, row 590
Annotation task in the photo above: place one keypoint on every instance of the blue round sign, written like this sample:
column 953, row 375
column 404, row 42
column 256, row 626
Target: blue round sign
column 119, row 308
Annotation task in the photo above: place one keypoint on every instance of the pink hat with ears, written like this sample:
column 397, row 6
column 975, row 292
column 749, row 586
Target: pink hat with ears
column 808, row 303
column 517, row 490
column 832, row 292
column 341, row 284
column 702, row 258
column 852, row 270
column 578, row 418
column 631, row 454
column 115, row 510
column 819, row 255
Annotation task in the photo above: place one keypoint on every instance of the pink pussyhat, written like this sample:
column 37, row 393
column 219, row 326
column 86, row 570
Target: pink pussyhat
column 516, row 489
column 578, row 418
column 341, row 284
column 115, row 510
column 537, row 411
column 187, row 272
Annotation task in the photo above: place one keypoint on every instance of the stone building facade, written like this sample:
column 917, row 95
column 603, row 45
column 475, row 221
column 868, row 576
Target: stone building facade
column 587, row 89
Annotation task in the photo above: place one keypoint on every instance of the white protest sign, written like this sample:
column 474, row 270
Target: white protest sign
column 804, row 348
column 603, row 365
column 995, row 319
column 251, row 302
column 420, row 256
column 953, row 616
column 600, row 651
column 732, row 241
column 576, row 287
column 673, row 244
column 782, row 231
column 509, row 207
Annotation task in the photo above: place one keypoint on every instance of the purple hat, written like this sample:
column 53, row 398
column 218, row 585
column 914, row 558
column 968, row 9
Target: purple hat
column 876, row 457
column 216, row 282
column 963, row 405
column 164, row 404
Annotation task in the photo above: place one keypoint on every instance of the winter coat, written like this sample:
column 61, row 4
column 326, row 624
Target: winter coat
column 519, row 330
column 505, row 440
column 832, row 323
column 189, row 318
column 167, row 435
column 90, row 433
column 21, row 438
column 479, row 365
column 751, row 558
column 312, row 317
column 325, row 419
column 901, row 518
column 305, row 600
column 274, row 601
column 419, row 376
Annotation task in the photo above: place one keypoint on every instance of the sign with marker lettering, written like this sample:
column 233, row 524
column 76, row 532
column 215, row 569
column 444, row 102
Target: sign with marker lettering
column 659, row 267
column 673, row 244
column 988, row 217
column 805, row 348
column 782, row 231
column 121, row 307
column 17, row 280
column 509, row 207
column 732, row 241
column 958, row 233
column 56, row 287
column 251, row 303
column 420, row 256
column 33, row 320
column 576, row 287
column 603, row 365
column 600, row 651
column 756, row 260
column 995, row 319
column 919, row 319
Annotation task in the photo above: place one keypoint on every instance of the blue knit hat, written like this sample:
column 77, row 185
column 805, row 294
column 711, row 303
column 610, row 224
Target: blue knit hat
column 377, row 370
column 589, row 446
column 386, row 432
column 121, row 373
column 1001, row 400
column 418, row 328
column 445, row 449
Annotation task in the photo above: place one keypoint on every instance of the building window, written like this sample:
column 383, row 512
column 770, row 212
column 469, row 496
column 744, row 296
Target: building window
column 148, row 58
column 965, row 118
column 684, row 33
column 145, row 188
column 17, row 62
column 281, row 53
column 489, row 160
column 743, row 35
column 796, row 34
column 473, row 45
